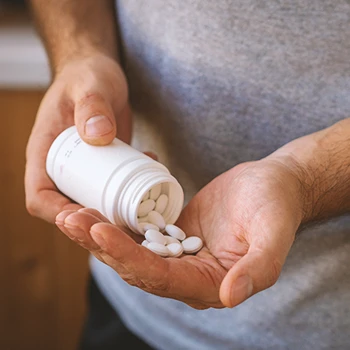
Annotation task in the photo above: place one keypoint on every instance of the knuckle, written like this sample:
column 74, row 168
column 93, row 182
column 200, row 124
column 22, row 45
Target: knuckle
column 90, row 98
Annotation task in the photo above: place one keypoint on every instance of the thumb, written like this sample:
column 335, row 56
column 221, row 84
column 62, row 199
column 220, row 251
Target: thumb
column 258, row 270
column 94, row 119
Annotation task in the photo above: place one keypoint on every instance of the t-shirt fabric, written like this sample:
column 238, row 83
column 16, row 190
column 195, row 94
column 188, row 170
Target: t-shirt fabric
column 217, row 83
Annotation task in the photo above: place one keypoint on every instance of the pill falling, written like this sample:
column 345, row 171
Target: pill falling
column 145, row 207
column 192, row 244
column 161, row 203
column 175, row 232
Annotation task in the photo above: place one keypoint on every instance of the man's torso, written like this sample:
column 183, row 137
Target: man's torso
column 217, row 83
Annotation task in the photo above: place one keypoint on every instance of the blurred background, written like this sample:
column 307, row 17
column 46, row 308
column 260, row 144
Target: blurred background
column 42, row 273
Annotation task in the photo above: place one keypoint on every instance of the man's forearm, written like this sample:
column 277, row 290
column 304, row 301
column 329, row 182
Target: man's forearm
column 73, row 29
column 322, row 163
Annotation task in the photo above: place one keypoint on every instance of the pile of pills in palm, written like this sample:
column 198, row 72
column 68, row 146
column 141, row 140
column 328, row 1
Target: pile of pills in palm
column 152, row 224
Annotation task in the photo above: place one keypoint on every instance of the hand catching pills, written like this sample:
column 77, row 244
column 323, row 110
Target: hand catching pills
column 246, row 220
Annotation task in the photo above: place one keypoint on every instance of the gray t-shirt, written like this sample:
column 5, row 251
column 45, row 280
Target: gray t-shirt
column 217, row 83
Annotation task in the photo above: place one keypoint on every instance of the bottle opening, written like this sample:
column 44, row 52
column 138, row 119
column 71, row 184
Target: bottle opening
column 142, row 183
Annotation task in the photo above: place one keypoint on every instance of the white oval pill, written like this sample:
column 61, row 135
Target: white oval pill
column 175, row 232
column 155, row 236
column 170, row 240
column 192, row 244
column 156, row 219
column 159, row 249
column 175, row 249
column 144, row 226
column 145, row 207
column 155, row 192
column 145, row 243
column 142, row 219
column 161, row 203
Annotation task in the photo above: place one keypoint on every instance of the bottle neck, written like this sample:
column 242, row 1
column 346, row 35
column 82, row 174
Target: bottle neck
column 141, row 183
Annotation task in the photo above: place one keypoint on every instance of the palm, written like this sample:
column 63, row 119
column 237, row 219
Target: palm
column 236, row 215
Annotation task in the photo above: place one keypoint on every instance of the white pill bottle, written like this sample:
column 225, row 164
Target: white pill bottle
column 112, row 179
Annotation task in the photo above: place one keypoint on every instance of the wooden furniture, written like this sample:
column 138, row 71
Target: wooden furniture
column 42, row 273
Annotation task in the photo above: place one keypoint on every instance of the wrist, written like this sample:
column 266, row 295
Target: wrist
column 89, row 66
column 72, row 56
column 304, row 185
column 321, row 163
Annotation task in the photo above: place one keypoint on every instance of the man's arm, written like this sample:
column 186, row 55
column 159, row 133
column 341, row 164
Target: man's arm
column 322, row 163
column 73, row 29
column 89, row 90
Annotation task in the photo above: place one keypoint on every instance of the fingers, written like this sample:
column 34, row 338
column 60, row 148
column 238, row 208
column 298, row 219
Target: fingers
column 60, row 223
column 76, row 225
column 94, row 119
column 47, row 203
column 77, row 228
column 142, row 268
column 99, row 96
column 42, row 197
column 256, row 271
column 136, row 237
column 115, row 247
column 90, row 94
column 95, row 213
column 260, row 268
column 174, row 278
column 122, row 249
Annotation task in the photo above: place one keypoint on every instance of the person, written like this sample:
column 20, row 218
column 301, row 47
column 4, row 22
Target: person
column 248, row 104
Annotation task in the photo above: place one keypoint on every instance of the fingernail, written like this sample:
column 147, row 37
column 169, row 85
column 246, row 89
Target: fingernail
column 98, row 239
column 242, row 289
column 60, row 218
column 76, row 232
column 98, row 126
